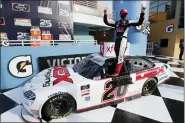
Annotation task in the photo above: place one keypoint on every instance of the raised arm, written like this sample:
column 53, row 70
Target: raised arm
column 141, row 18
column 106, row 20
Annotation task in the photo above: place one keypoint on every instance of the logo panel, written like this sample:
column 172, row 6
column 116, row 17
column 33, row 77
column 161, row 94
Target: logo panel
column 21, row 66
column 23, row 36
column 169, row 28
column 2, row 21
column 45, row 23
column 44, row 10
column 20, row 7
column 22, row 22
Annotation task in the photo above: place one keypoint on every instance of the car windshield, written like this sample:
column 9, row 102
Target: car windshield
column 86, row 68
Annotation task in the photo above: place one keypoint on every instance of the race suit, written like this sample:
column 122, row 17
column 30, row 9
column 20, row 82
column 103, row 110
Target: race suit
column 122, row 28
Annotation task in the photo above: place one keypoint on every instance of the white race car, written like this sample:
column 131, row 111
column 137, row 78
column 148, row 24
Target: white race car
column 56, row 92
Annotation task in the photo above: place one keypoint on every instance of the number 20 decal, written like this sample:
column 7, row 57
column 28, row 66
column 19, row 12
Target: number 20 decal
column 112, row 91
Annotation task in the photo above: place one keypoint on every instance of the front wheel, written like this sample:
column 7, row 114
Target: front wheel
column 149, row 87
column 58, row 106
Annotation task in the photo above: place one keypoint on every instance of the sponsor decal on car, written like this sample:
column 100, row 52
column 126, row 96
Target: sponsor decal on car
column 21, row 66
column 47, row 78
column 45, row 23
column 22, row 22
column 20, row 7
column 2, row 21
column 23, row 36
column 87, row 98
column 61, row 74
column 112, row 91
column 164, row 77
column 63, row 12
column 57, row 93
column 85, row 90
column 44, row 10
column 64, row 24
column 85, row 87
column 64, row 37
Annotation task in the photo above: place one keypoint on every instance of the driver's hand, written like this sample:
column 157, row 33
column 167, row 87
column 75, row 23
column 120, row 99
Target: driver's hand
column 105, row 11
column 143, row 8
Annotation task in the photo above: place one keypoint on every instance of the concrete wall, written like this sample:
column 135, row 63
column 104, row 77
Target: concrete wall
column 7, row 53
column 81, row 32
column 158, row 32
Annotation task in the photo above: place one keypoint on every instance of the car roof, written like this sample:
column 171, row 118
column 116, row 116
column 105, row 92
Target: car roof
column 111, row 58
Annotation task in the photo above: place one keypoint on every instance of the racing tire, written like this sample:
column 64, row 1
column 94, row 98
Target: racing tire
column 149, row 87
column 58, row 106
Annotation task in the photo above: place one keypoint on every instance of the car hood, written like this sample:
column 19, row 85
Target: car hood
column 53, row 76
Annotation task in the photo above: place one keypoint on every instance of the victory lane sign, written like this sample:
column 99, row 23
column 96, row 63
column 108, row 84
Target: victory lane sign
column 52, row 61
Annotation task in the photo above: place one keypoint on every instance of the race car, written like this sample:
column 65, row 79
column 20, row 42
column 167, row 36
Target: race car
column 91, row 83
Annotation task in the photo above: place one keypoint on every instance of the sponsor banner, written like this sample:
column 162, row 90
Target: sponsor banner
column 52, row 61
column 64, row 12
column 1, row 5
column 45, row 23
column 20, row 7
column 44, row 10
column 2, row 21
column 21, row 66
column 3, row 36
column 23, row 36
column 22, row 22
column 64, row 37
column 64, row 24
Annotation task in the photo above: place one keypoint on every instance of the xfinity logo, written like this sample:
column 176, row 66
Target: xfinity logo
column 60, row 62
column 110, row 49
column 45, row 23
column 23, row 36
column 21, row 66
column 169, row 28
column 20, row 7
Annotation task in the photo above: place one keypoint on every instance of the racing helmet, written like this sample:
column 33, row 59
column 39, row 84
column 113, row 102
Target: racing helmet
column 123, row 12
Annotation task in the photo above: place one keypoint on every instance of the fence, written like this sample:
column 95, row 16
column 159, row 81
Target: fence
column 149, row 49
column 44, row 42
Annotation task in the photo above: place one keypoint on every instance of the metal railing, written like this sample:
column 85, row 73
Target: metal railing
column 44, row 42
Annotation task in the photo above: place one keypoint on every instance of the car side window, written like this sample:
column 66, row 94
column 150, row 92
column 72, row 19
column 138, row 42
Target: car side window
column 139, row 65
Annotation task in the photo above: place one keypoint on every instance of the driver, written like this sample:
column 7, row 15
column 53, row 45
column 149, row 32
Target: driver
column 121, row 28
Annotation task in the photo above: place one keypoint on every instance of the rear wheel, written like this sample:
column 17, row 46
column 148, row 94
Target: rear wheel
column 58, row 107
column 149, row 87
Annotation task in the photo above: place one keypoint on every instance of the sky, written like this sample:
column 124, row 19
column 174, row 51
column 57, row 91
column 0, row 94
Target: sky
column 108, row 3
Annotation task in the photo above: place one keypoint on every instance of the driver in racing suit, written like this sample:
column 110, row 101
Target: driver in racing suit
column 122, row 27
